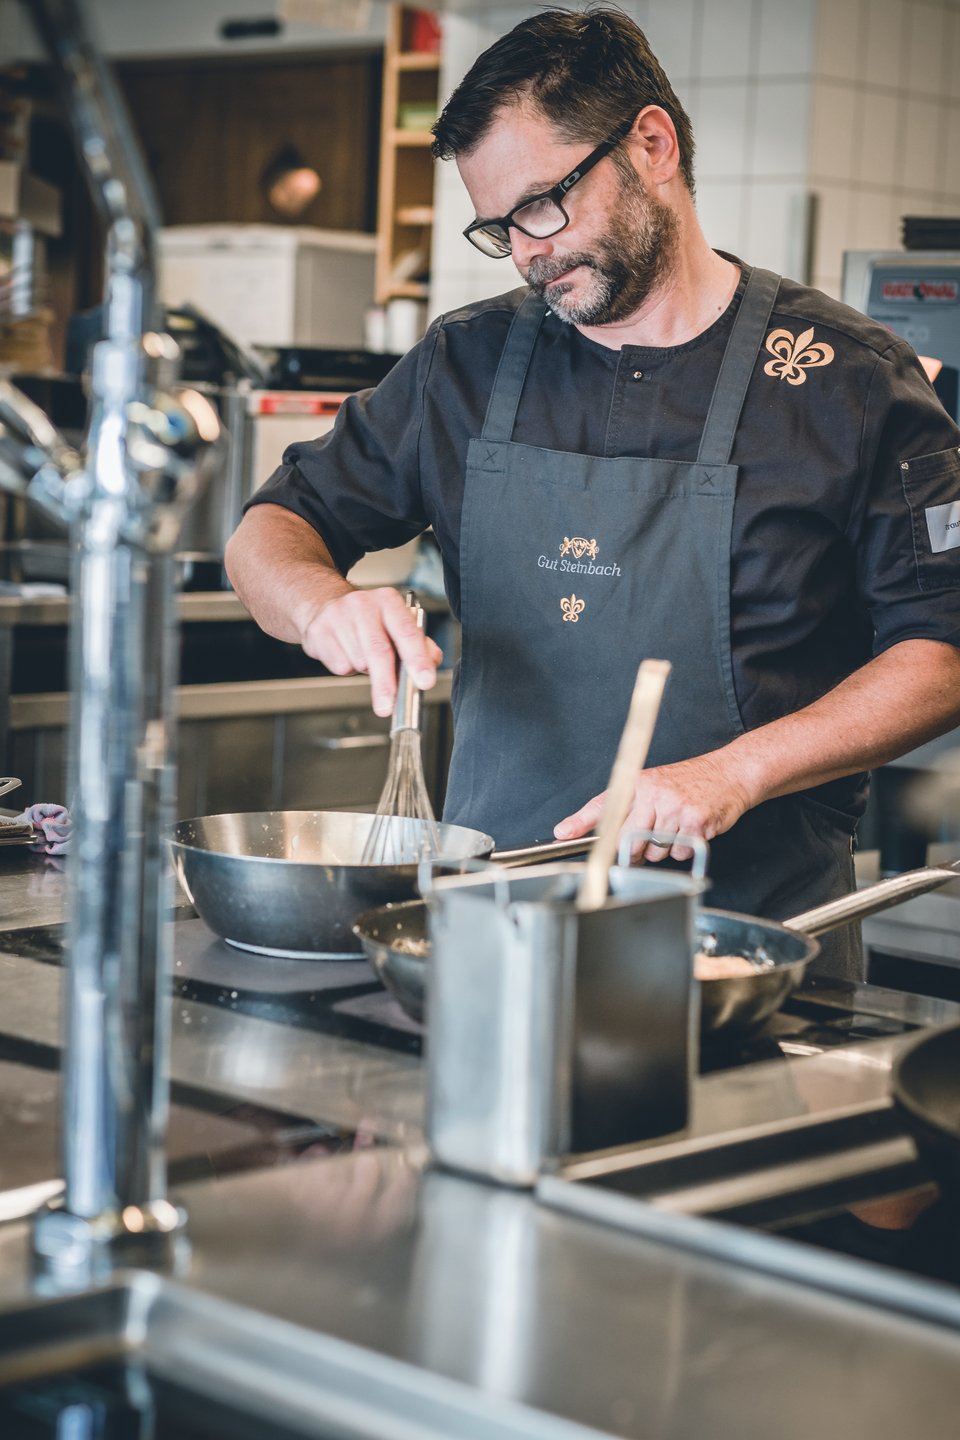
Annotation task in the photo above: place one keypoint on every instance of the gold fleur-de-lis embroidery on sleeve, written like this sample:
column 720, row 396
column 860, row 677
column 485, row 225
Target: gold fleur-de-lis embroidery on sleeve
column 572, row 608
column 794, row 356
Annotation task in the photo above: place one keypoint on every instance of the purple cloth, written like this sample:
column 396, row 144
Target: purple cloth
column 53, row 826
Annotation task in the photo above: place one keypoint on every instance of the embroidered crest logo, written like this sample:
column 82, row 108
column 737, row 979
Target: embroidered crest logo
column 794, row 356
column 577, row 546
column 572, row 608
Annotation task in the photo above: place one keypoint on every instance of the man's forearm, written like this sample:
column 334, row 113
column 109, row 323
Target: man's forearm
column 284, row 574
column 282, row 571
column 903, row 698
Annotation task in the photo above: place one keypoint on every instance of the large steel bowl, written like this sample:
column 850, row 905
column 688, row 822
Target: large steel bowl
column 291, row 883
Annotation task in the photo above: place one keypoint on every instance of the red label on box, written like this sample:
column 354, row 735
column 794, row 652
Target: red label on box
column 947, row 290
column 293, row 402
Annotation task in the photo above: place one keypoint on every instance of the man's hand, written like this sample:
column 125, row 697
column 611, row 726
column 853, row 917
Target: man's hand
column 285, row 575
column 694, row 797
column 363, row 631
column 897, row 701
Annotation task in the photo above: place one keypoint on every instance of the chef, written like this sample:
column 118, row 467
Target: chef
column 651, row 448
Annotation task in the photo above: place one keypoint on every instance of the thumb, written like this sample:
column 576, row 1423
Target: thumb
column 582, row 822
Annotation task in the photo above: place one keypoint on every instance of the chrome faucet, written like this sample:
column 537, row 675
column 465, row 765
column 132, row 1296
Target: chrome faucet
column 123, row 499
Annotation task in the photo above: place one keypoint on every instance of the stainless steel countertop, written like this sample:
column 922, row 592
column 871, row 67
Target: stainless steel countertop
column 629, row 1335
column 350, row 1084
column 635, row 1334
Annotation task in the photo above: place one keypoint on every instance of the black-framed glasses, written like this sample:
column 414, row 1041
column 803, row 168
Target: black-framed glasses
column 542, row 215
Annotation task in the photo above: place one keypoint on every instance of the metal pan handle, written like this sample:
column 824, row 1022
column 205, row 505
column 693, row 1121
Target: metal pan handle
column 873, row 899
column 548, row 850
column 429, row 865
column 495, row 864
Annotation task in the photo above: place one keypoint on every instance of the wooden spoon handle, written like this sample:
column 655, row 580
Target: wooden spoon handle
column 631, row 754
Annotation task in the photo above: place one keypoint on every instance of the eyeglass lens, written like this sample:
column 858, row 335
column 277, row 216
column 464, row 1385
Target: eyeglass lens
column 542, row 217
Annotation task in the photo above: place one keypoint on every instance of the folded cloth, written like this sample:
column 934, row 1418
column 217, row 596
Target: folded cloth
column 53, row 826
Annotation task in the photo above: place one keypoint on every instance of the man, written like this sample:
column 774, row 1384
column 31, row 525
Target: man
column 652, row 450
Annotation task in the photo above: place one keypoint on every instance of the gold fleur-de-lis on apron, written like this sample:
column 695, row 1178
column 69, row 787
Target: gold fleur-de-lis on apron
column 572, row 608
column 794, row 356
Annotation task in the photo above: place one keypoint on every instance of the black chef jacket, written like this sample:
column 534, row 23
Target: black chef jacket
column 849, row 478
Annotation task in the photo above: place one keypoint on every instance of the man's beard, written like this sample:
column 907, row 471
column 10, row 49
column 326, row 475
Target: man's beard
column 628, row 262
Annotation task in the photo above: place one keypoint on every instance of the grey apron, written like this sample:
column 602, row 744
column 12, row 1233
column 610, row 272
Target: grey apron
column 573, row 569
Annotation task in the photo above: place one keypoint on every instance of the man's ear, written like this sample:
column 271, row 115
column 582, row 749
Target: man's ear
column 654, row 145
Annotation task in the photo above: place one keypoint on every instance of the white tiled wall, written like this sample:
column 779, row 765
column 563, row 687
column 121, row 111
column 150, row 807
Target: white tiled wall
column 459, row 273
column 886, row 116
column 849, row 106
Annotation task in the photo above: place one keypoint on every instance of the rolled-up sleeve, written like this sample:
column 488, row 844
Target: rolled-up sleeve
column 906, row 531
column 359, row 486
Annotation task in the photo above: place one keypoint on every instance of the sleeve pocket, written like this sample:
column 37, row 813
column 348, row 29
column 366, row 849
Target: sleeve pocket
column 931, row 488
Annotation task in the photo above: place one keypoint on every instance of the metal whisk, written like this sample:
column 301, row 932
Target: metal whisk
column 404, row 830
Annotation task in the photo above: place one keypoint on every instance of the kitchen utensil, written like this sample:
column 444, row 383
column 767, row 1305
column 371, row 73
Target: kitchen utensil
column 925, row 1085
column 395, row 941
column 547, row 1037
column 292, row 882
column 730, row 1007
column 735, row 1006
column 404, row 793
column 631, row 754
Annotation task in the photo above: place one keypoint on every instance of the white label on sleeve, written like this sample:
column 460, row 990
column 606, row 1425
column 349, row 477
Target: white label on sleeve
column 943, row 526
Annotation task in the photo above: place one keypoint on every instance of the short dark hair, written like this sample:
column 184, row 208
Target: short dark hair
column 585, row 71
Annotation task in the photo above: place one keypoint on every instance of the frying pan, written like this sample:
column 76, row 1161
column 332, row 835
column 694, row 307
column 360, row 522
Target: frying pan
column 395, row 939
column 925, row 1083
column 291, row 882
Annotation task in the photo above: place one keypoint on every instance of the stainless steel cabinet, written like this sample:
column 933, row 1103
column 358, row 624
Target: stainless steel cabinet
column 252, row 745
column 296, row 742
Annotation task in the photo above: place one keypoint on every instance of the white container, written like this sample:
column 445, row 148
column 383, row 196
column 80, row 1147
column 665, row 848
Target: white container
column 405, row 324
column 272, row 284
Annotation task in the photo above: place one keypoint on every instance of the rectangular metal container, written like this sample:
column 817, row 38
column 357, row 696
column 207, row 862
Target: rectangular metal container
column 553, row 1031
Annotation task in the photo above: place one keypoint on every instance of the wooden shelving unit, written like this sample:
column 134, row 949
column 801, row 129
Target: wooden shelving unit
column 411, row 87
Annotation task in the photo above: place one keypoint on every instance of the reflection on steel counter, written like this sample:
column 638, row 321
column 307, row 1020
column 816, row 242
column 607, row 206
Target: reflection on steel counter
column 342, row 998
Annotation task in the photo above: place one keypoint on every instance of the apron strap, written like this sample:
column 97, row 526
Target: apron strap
column 736, row 369
column 512, row 370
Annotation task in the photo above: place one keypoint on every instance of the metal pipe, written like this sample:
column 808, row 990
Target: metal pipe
column 125, row 511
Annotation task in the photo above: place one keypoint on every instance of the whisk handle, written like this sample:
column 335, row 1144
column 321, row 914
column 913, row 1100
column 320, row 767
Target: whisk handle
column 407, row 708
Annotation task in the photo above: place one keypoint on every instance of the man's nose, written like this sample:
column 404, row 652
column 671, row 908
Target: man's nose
column 527, row 248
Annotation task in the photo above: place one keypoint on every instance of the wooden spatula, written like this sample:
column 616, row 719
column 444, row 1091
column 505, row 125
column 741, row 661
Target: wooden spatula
column 631, row 754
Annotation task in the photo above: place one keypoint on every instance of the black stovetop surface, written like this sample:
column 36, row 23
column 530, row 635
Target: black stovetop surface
column 345, row 998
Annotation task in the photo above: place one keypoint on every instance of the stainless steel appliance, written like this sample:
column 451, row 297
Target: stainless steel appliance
column 916, row 294
column 267, row 399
